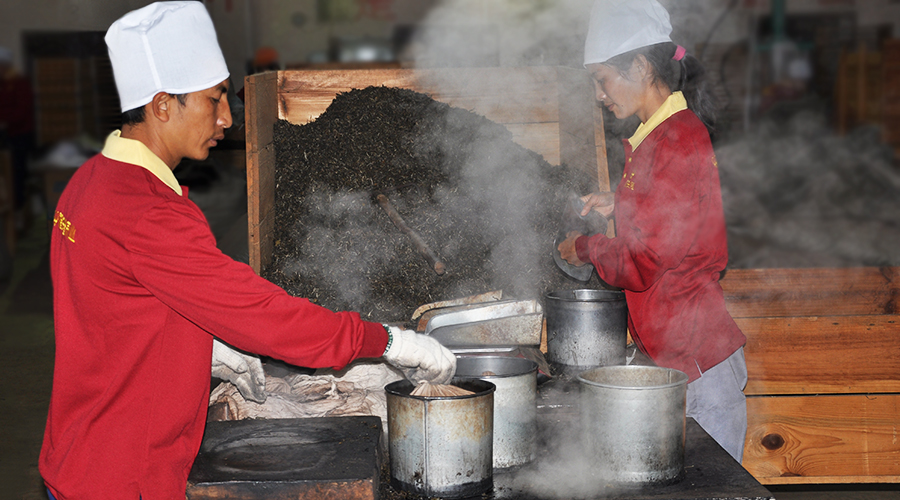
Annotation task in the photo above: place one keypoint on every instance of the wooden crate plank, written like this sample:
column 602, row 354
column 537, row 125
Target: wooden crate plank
column 825, row 354
column 507, row 95
column 301, row 109
column 577, row 147
column 542, row 138
column 753, row 293
column 823, row 439
column 261, row 112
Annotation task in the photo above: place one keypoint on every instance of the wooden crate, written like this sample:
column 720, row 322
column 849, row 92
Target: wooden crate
column 551, row 111
column 823, row 345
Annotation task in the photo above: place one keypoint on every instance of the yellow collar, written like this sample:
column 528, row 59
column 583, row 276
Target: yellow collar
column 673, row 104
column 135, row 152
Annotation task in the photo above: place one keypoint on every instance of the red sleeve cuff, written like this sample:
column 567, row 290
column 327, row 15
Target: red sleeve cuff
column 375, row 341
column 582, row 250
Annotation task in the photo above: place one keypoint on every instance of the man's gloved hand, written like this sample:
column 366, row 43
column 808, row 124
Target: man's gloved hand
column 242, row 370
column 420, row 357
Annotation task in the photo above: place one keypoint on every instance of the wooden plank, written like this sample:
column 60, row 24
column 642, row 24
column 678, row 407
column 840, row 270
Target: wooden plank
column 261, row 112
column 825, row 354
column 504, row 95
column 753, row 293
column 301, row 109
column 577, row 148
column 542, row 138
column 823, row 439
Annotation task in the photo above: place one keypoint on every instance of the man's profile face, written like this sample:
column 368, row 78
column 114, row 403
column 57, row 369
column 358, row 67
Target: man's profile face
column 201, row 122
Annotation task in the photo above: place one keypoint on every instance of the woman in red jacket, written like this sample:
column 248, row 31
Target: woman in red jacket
column 670, row 246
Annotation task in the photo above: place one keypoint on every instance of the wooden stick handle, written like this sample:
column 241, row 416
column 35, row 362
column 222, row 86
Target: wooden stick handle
column 417, row 240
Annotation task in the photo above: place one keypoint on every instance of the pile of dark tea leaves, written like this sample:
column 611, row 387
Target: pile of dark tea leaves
column 487, row 207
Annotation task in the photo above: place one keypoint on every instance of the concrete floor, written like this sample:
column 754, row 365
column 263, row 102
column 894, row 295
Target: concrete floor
column 26, row 369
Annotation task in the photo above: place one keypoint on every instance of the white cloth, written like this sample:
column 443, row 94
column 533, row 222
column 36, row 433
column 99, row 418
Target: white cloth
column 357, row 389
column 164, row 47
column 620, row 26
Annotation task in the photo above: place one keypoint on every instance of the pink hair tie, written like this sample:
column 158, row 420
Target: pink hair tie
column 679, row 53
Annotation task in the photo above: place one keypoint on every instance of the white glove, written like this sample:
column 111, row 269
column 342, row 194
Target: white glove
column 420, row 357
column 242, row 370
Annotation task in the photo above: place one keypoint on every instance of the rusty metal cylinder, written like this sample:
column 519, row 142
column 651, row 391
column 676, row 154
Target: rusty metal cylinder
column 441, row 446
column 515, row 404
column 633, row 423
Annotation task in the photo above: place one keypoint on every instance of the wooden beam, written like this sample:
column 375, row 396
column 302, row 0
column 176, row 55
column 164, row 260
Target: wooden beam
column 260, row 96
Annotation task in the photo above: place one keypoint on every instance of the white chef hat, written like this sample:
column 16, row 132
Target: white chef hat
column 164, row 47
column 620, row 26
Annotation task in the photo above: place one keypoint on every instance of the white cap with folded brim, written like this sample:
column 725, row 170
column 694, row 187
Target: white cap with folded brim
column 164, row 47
column 620, row 26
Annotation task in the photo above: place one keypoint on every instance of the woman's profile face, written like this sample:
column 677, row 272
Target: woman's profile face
column 623, row 94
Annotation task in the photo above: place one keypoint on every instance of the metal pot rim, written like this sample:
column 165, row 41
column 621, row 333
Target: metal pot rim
column 678, row 377
column 585, row 295
column 403, row 388
column 532, row 367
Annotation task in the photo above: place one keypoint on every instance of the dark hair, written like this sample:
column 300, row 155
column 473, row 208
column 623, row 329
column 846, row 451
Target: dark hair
column 687, row 75
column 136, row 115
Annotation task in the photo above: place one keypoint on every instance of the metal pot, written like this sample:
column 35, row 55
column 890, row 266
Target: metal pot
column 586, row 328
column 633, row 420
column 515, row 404
column 441, row 446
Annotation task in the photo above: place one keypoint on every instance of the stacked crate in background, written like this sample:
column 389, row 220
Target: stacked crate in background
column 891, row 92
column 859, row 89
column 7, row 213
column 56, row 96
column 74, row 88
column 868, row 91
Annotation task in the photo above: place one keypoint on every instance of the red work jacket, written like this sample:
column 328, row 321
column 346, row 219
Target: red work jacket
column 670, row 248
column 139, row 291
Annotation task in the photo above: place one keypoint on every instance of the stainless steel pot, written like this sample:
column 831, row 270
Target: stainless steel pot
column 441, row 446
column 633, row 421
column 586, row 328
column 515, row 404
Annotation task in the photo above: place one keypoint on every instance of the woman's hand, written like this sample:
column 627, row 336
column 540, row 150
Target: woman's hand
column 567, row 249
column 603, row 202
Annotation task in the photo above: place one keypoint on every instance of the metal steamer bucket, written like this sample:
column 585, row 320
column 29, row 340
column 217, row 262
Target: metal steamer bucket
column 586, row 328
column 441, row 446
column 633, row 420
column 515, row 404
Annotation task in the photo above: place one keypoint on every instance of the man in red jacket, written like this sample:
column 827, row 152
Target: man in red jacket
column 140, row 289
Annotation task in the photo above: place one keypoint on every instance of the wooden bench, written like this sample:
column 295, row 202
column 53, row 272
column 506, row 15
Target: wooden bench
column 823, row 356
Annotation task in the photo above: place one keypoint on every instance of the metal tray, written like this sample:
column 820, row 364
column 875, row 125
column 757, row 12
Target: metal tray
column 503, row 323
